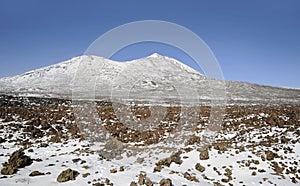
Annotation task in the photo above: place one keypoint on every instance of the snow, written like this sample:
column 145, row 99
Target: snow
column 154, row 77
column 130, row 173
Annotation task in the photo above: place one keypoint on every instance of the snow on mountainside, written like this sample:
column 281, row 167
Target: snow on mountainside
column 158, row 75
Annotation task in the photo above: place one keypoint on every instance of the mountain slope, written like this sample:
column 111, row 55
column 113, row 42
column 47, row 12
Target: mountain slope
column 152, row 77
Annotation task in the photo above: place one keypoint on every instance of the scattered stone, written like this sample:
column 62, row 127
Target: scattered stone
column 277, row 168
column 165, row 182
column 8, row 170
column 193, row 140
column 225, row 180
column 199, row 167
column 2, row 140
column 85, row 175
column 76, row 160
column 44, row 145
column 167, row 161
column 218, row 184
column 67, row 175
column 36, row 173
column 107, row 181
column 188, row 176
column 270, row 155
column 157, row 168
column 204, row 155
column 98, row 184
column 18, row 159
column 221, row 146
column 142, row 178
column 148, row 182
column 256, row 162
column 30, row 150
column 113, row 171
column 133, row 183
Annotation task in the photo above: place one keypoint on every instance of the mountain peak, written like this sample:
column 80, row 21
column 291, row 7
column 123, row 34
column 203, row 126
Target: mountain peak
column 154, row 55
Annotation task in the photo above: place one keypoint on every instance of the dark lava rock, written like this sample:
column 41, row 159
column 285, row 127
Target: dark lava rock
column 148, row 182
column 113, row 171
column 133, row 183
column 157, row 168
column 270, row 155
column 167, row 161
column 85, row 175
column 8, row 170
column 204, row 155
column 98, row 184
column 44, row 145
column 188, row 176
column 36, row 173
column 199, row 167
column 2, row 140
column 76, row 160
column 165, row 182
column 67, row 175
column 142, row 178
column 18, row 159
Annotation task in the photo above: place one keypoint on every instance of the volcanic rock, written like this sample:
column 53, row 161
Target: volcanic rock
column 67, row 175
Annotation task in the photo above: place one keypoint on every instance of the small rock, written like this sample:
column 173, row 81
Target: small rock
column 157, row 169
column 107, row 181
column 8, row 170
column 142, row 178
column 2, row 140
column 165, row 182
column 148, row 182
column 113, row 171
column 173, row 158
column 44, row 145
column 187, row 176
column 204, row 155
column 133, row 183
column 199, row 167
column 67, row 175
column 270, row 155
column 76, row 160
column 85, row 175
column 36, row 173
column 225, row 180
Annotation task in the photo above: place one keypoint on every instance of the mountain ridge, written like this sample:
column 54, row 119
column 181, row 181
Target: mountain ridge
column 160, row 73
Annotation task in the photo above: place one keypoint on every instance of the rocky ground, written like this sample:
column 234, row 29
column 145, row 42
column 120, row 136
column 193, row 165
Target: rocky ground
column 41, row 142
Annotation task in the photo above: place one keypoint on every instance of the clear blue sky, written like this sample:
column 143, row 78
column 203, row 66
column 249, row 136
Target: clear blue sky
column 254, row 41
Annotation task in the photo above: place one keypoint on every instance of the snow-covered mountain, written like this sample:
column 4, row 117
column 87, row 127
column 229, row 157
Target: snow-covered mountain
column 152, row 77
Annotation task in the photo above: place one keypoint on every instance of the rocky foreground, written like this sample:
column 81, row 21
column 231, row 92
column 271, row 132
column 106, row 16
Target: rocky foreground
column 41, row 144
